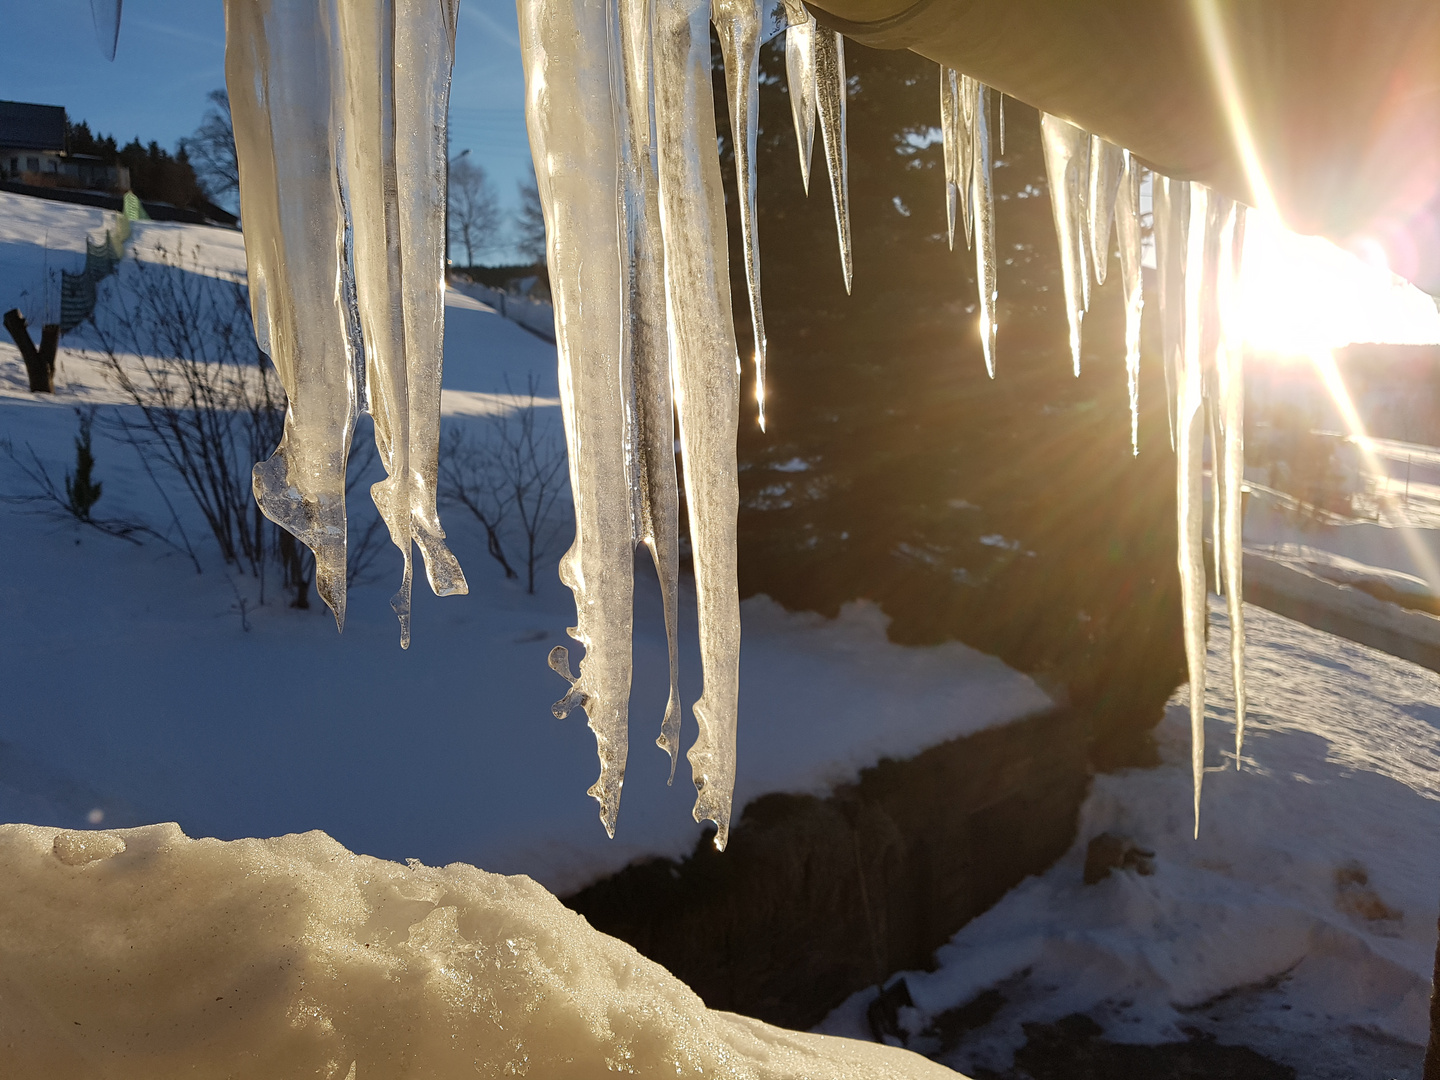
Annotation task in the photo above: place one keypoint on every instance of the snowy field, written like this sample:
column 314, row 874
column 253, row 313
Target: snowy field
column 1302, row 922
column 135, row 694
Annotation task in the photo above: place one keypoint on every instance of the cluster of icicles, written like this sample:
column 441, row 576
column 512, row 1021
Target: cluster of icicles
column 624, row 144
column 340, row 107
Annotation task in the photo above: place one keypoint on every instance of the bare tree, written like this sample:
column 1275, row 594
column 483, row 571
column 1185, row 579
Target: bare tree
column 212, row 149
column 509, row 476
column 473, row 207
column 530, row 224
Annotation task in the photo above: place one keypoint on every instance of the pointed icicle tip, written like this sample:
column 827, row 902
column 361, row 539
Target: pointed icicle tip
column 800, row 80
column 830, row 96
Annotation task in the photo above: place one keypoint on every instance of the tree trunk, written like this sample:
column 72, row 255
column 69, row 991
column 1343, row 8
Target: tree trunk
column 39, row 363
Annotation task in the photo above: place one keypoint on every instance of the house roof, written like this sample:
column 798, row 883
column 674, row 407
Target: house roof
column 24, row 126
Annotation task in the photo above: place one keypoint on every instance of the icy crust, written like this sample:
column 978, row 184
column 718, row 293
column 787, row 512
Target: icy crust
column 142, row 953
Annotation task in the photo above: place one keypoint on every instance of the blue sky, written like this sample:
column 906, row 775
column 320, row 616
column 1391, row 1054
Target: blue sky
column 172, row 53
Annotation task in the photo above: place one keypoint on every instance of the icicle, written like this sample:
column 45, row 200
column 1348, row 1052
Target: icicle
column 738, row 24
column 106, row 15
column 983, row 201
column 950, row 135
column 800, row 79
column 1232, row 403
column 1212, row 425
column 830, row 96
column 1127, row 228
column 1001, row 109
column 965, row 157
column 1067, row 169
column 652, row 414
column 704, row 363
column 1171, row 214
column 1190, row 436
column 1106, row 162
column 569, row 105
column 397, row 79
column 281, row 73
column 1216, row 215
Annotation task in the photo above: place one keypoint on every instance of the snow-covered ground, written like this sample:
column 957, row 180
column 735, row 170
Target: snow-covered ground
column 133, row 692
column 1301, row 923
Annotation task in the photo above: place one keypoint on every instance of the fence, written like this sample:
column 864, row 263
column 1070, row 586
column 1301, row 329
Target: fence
column 534, row 315
column 77, row 291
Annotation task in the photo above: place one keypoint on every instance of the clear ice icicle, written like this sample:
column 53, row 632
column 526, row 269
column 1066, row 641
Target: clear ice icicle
column 1189, row 465
column 983, row 204
column 1067, row 170
column 281, row 70
column 396, row 90
column 950, row 137
column 1106, row 163
column 800, row 80
column 570, row 112
column 831, row 93
column 704, row 365
column 106, row 15
column 1231, row 384
column 738, row 24
column 1172, row 216
column 965, row 156
column 1127, row 229
column 652, row 413
column 1000, row 108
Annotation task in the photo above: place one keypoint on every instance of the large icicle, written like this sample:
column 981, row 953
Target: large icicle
column 950, row 138
column 397, row 78
column 1171, row 212
column 106, row 15
column 1127, row 228
column 738, row 23
column 1189, row 446
column 831, row 92
column 1106, row 162
column 800, row 81
column 1067, row 168
column 570, row 112
column 281, row 71
column 1231, row 383
column 983, row 205
column 704, row 363
column 652, row 413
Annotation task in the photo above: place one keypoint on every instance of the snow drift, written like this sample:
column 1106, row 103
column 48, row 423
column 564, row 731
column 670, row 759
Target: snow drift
column 143, row 953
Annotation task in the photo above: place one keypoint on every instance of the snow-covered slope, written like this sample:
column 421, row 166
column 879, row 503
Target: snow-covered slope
column 134, row 691
column 1302, row 922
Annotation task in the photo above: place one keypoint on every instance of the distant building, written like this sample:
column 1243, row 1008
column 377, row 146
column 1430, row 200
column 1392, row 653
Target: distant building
column 33, row 151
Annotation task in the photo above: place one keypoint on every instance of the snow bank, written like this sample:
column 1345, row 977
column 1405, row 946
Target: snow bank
column 142, row 953
column 1302, row 920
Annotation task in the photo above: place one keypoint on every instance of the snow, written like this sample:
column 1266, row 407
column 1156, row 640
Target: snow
column 129, row 686
column 143, row 954
column 1301, row 923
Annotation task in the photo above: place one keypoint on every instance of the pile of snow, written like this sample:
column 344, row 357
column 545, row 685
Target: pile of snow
column 143, row 954
column 1302, row 923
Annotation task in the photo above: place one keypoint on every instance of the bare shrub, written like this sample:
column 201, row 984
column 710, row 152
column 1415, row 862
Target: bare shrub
column 509, row 475
column 204, row 404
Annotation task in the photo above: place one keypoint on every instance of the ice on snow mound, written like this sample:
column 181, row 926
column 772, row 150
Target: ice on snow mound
column 143, row 953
